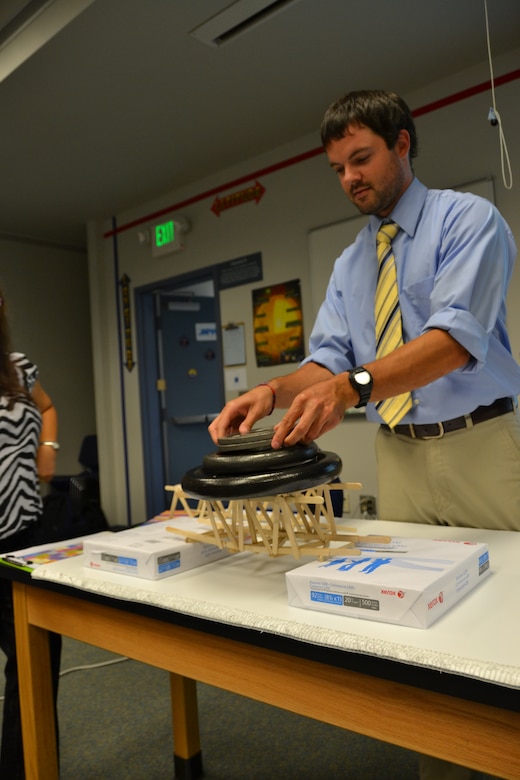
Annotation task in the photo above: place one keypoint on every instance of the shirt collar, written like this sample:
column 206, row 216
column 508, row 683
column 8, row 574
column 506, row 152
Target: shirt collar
column 408, row 209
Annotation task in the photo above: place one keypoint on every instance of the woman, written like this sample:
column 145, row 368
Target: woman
column 28, row 446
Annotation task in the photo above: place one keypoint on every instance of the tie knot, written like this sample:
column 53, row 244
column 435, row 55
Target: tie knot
column 387, row 232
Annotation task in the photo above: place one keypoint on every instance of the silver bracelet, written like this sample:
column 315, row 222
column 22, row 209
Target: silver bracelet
column 53, row 444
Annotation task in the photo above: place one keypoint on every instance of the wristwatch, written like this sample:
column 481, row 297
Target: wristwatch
column 361, row 380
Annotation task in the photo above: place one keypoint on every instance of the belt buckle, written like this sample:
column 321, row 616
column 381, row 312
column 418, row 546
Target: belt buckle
column 437, row 435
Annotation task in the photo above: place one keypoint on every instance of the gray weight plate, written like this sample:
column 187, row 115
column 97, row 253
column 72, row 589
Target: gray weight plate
column 255, row 440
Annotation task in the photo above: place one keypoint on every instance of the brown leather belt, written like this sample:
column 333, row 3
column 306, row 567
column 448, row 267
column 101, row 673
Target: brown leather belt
column 437, row 430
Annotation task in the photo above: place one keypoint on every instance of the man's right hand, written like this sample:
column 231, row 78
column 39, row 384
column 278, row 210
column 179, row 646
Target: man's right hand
column 240, row 414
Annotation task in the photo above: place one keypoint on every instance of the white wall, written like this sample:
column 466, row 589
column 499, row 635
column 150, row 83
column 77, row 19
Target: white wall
column 457, row 145
column 46, row 289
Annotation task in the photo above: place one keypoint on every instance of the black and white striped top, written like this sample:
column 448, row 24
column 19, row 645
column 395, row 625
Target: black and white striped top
column 20, row 497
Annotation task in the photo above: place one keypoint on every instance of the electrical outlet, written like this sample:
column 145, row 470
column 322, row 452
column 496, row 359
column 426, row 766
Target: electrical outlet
column 367, row 506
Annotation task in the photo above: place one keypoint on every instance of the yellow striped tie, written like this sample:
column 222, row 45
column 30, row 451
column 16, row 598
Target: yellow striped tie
column 389, row 326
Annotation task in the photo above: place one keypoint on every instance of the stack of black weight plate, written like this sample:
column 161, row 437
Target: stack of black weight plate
column 246, row 466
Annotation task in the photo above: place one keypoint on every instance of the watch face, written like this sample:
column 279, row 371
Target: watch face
column 363, row 378
column 361, row 381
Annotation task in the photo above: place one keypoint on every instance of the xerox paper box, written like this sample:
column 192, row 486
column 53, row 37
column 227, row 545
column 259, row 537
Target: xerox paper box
column 411, row 582
column 149, row 551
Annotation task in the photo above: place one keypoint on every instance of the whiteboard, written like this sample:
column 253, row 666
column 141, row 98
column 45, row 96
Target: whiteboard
column 328, row 242
column 325, row 246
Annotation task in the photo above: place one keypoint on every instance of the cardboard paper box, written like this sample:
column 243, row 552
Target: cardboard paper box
column 411, row 582
column 149, row 551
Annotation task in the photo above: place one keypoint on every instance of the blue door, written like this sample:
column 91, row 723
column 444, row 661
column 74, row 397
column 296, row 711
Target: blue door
column 191, row 357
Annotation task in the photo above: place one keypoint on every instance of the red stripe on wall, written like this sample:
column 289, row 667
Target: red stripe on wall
column 466, row 93
column 435, row 106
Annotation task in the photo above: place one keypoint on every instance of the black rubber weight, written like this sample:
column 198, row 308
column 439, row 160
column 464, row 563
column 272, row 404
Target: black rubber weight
column 255, row 440
column 323, row 468
column 247, row 462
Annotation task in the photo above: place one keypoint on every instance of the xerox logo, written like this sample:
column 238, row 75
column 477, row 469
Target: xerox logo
column 399, row 593
column 437, row 600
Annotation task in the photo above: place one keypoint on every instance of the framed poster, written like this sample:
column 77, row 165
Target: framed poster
column 278, row 324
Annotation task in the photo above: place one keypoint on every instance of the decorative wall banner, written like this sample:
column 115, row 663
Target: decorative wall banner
column 255, row 193
column 278, row 324
column 127, row 320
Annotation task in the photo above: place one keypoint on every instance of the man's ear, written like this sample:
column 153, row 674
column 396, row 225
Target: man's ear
column 402, row 146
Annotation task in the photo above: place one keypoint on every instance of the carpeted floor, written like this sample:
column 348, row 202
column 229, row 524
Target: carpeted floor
column 115, row 723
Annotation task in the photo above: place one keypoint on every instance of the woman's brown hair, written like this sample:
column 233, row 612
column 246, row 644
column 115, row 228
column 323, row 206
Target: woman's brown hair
column 10, row 386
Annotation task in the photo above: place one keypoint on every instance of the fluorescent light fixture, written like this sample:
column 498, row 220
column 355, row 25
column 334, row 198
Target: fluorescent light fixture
column 32, row 28
column 238, row 18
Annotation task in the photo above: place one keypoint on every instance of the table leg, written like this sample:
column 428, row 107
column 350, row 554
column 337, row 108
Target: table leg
column 187, row 755
column 36, row 697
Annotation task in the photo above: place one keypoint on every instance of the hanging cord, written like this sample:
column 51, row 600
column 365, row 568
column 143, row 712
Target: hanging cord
column 495, row 118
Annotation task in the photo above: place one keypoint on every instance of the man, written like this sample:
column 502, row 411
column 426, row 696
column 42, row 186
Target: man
column 453, row 457
column 454, row 256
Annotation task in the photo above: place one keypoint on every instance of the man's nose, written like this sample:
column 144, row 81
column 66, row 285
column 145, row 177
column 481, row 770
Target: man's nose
column 348, row 178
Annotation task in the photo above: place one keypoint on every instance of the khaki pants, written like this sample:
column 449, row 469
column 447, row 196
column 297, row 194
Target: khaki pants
column 469, row 478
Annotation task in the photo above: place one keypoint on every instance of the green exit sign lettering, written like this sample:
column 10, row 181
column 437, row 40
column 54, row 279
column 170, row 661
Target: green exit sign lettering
column 164, row 234
column 166, row 238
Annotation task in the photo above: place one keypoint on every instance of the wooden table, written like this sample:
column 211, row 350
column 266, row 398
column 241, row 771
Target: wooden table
column 473, row 722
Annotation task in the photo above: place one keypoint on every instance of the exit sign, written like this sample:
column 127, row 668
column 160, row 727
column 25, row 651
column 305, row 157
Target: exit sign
column 166, row 238
column 165, row 233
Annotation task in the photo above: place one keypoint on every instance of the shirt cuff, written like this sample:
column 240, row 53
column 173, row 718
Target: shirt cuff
column 467, row 331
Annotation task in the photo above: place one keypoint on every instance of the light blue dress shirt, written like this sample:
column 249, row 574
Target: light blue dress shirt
column 454, row 256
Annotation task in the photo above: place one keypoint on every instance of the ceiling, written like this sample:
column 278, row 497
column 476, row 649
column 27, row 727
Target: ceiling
column 122, row 104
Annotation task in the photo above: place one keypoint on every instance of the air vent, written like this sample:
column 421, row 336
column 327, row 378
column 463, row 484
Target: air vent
column 238, row 18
